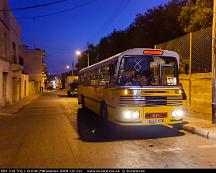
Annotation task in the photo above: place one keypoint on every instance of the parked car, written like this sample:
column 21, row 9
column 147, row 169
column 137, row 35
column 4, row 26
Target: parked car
column 72, row 89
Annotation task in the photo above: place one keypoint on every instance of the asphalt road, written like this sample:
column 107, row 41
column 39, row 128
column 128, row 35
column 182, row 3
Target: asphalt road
column 44, row 135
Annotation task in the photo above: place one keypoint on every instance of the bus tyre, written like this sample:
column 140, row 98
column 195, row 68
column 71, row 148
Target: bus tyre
column 68, row 93
column 178, row 126
column 83, row 101
column 103, row 112
column 104, row 125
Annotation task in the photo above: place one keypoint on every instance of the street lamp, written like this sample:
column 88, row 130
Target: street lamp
column 78, row 53
column 67, row 67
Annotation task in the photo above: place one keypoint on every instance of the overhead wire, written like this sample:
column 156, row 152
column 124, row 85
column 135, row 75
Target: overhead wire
column 34, row 6
column 58, row 12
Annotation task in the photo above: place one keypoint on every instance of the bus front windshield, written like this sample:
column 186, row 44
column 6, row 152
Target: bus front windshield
column 148, row 71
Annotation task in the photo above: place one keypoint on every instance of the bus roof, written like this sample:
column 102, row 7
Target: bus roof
column 134, row 51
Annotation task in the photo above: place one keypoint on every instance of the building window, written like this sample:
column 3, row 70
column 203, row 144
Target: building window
column 21, row 61
column 4, row 54
column 14, row 53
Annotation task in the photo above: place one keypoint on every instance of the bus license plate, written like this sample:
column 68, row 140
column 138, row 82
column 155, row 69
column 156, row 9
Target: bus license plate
column 154, row 122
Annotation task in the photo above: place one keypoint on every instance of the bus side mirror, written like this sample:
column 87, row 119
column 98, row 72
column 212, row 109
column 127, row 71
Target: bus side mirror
column 111, row 69
column 184, row 97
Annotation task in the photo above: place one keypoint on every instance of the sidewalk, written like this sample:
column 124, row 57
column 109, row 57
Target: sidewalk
column 200, row 127
column 11, row 110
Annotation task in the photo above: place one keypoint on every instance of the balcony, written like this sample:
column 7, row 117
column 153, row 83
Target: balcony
column 21, row 61
column 17, row 66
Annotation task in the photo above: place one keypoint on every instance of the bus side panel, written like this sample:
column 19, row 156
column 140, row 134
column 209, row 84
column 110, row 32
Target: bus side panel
column 111, row 98
column 91, row 100
column 92, row 105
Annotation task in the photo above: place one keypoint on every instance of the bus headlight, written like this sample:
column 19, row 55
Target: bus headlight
column 131, row 115
column 177, row 114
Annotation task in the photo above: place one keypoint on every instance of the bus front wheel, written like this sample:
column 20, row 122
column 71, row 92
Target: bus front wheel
column 178, row 126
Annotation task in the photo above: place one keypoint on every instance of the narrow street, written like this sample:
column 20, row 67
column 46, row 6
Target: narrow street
column 44, row 135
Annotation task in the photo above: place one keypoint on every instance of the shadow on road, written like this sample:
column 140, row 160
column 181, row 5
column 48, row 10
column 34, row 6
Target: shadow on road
column 63, row 95
column 90, row 128
column 66, row 96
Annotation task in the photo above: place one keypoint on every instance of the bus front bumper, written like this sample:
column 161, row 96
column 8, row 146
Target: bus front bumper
column 141, row 116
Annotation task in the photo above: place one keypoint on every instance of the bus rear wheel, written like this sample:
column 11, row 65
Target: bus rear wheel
column 104, row 124
column 83, row 102
column 104, row 113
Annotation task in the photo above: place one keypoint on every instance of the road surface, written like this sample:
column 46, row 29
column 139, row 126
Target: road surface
column 44, row 135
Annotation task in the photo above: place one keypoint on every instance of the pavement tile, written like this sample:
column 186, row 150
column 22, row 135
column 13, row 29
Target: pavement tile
column 200, row 127
column 11, row 110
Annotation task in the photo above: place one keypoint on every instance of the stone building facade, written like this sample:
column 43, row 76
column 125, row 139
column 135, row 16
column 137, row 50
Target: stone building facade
column 11, row 63
column 15, row 83
column 34, row 65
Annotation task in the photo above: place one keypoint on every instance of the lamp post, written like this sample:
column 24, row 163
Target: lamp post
column 78, row 53
column 72, row 68
column 214, row 64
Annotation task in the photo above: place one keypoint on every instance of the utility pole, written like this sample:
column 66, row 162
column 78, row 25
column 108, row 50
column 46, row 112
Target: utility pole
column 213, row 64
column 88, row 58
column 72, row 68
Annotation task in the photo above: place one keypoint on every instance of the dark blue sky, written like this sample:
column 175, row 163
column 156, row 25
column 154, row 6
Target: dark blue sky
column 61, row 35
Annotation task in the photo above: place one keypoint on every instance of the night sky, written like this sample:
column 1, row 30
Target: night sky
column 84, row 21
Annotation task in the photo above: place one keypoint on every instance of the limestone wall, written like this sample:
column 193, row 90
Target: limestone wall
column 198, row 88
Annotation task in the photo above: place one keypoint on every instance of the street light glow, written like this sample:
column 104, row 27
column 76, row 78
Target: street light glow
column 67, row 67
column 78, row 53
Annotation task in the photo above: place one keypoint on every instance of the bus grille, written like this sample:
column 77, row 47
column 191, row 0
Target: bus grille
column 150, row 101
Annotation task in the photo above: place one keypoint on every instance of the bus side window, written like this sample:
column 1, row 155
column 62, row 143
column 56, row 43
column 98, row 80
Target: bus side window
column 104, row 76
column 112, row 73
column 81, row 79
column 168, row 75
column 87, row 79
column 94, row 77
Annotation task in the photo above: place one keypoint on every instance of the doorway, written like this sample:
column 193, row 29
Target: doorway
column 4, row 88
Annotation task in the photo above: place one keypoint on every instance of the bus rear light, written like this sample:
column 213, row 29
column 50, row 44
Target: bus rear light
column 153, row 52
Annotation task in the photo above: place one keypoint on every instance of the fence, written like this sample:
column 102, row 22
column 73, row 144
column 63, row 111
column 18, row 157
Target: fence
column 195, row 50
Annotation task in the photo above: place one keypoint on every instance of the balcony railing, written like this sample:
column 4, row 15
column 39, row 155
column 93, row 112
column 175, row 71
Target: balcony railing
column 21, row 61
